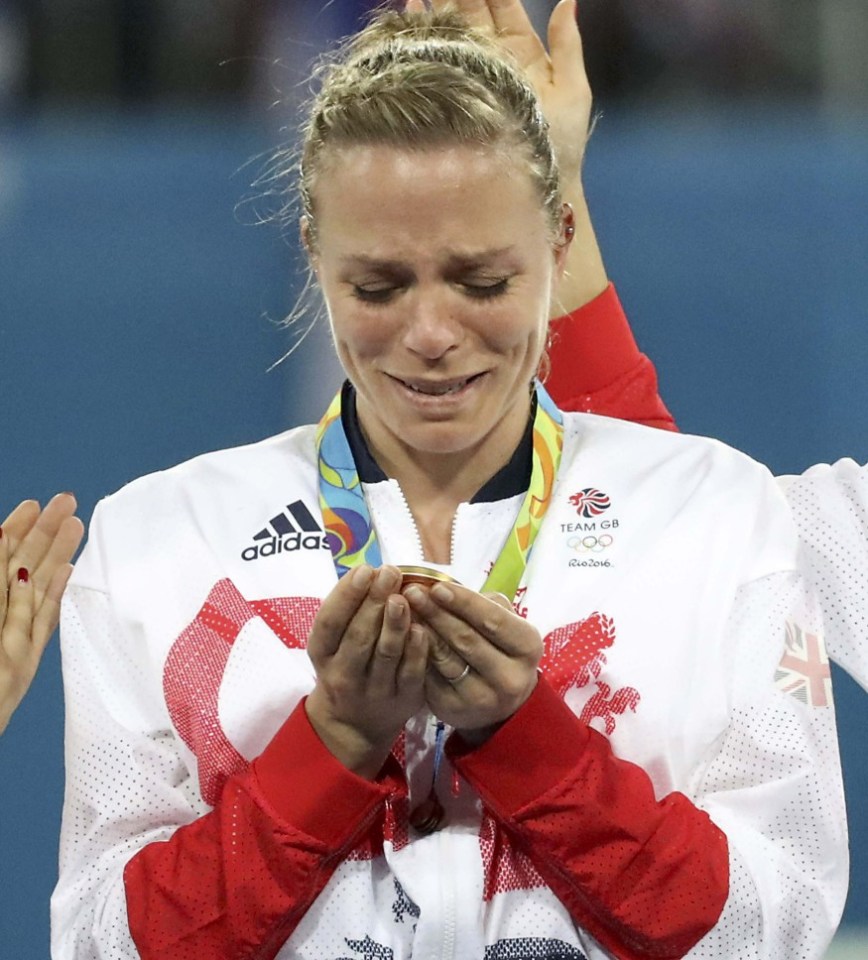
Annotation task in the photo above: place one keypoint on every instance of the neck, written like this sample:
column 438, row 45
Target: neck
column 433, row 492
column 434, row 484
column 452, row 477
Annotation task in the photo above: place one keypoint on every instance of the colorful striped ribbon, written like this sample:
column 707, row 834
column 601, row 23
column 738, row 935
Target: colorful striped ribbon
column 347, row 520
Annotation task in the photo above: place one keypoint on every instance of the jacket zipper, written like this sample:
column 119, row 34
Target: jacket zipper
column 412, row 519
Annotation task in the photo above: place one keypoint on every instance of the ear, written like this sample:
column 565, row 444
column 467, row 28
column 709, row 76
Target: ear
column 561, row 249
column 565, row 239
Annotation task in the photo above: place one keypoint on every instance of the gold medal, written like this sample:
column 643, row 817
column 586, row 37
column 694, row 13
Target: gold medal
column 424, row 576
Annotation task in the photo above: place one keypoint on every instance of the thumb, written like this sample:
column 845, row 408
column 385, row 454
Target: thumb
column 500, row 599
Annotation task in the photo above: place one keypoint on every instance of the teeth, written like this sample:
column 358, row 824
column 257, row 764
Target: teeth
column 439, row 391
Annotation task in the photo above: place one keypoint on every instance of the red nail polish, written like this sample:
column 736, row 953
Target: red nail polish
column 1, row 533
column 23, row 575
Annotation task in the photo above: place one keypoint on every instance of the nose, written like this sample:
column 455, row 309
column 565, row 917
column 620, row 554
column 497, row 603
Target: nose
column 431, row 327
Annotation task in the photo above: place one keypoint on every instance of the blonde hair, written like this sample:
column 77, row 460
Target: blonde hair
column 425, row 80
column 413, row 81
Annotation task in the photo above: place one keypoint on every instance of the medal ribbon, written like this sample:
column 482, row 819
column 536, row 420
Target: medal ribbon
column 347, row 520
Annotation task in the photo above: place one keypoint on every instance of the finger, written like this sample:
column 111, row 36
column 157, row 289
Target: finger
column 514, row 30
column 389, row 648
column 336, row 612
column 411, row 673
column 454, row 643
column 415, row 6
column 57, row 584
column 476, row 12
column 490, row 619
column 34, row 546
column 4, row 586
column 17, row 626
column 510, row 18
column 500, row 599
column 508, row 22
column 48, row 611
column 444, row 660
column 361, row 636
column 60, row 551
column 565, row 48
column 18, row 523
column 367, row 624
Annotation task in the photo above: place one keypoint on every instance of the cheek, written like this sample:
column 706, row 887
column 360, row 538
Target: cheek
column 511, row 328
column 361, row 333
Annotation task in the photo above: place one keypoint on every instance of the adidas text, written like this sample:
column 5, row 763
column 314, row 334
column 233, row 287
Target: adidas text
column 287, row 544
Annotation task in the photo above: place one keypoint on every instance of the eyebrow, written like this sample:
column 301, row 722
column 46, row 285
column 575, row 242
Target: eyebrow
column 471, row 259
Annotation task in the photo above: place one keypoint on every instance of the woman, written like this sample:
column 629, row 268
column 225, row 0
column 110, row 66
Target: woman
column 278, row 746
column 35, row 549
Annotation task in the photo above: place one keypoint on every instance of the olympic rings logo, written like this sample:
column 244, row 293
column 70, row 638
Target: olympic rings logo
column 591, row 544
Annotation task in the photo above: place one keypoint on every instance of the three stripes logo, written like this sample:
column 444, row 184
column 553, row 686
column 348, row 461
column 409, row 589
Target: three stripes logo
column 295, row 528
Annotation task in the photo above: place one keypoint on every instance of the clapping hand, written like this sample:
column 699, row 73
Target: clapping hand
column 557, row 74
column 36, row 548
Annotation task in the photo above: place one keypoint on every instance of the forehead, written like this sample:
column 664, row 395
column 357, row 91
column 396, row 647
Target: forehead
column 382, row 200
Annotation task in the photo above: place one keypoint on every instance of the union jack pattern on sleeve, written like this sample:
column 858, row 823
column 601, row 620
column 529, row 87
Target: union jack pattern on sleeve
column 804, row 668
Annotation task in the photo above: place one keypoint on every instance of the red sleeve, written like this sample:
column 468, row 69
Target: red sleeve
column 241, row 877
column 596, row 366
column 646, row 878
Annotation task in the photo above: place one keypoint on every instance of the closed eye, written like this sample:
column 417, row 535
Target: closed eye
column 478, row 289
column 485, row 290
column 374, row 294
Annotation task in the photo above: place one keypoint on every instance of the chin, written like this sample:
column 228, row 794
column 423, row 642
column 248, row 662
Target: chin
column 443, row 440
column 440, row 446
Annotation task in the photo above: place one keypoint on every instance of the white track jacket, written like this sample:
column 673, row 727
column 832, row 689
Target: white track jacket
column 672, row 786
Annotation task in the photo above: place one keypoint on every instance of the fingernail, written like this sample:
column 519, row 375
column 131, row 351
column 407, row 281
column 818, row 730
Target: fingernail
column 387, row 578
column 23, row 575
column 394, row 609
column 414, row 593
column 1, row 533
column 363, row 575
column 441, row 592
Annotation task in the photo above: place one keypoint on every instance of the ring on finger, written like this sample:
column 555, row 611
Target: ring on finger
column 461, row 676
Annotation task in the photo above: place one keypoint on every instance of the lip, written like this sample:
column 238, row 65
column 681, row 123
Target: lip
column 436, row 392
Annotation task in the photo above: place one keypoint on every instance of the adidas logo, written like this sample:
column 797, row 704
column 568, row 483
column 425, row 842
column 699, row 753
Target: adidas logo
column 293, row 529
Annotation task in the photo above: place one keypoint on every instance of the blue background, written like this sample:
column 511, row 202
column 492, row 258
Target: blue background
column 137, row 309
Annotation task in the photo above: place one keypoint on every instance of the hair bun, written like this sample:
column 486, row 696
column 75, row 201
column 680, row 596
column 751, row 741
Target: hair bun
column 390, row 28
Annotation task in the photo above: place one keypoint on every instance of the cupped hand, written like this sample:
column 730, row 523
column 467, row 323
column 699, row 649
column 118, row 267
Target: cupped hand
column 36, row 548
column 482, row 632
column 557, row 74
column 370, row 663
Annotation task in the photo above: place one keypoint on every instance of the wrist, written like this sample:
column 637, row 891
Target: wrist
column 355, row 749
column 476, row 737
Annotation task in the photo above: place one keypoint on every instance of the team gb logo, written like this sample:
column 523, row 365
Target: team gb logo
column 590, row 502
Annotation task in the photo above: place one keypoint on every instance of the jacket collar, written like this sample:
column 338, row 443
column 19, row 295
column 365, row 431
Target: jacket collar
column 511, row 480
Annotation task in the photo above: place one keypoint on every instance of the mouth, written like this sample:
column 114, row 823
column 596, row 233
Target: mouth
column 438, row 388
